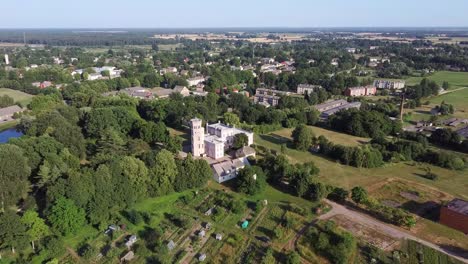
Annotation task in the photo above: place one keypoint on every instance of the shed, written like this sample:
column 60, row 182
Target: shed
column 245, row 224
column 201, row 257
column 131, row 241
column 201, row 233
column 171, row 245
column 127, row 257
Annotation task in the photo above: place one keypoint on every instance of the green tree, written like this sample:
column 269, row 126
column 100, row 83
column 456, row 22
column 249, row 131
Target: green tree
column 293, row 258
column 14, row 173
column 163, row 174
column 250, row 180
column 302, row 137
column 445, row 85
column 6, row 101
column 240, row 140
column 231, row 119
column 359, row 195
column 12, row 231
column 66, row 217
column 35, row 226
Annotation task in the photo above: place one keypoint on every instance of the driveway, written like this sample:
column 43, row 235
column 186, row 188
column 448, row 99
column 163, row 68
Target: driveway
column 338, row 209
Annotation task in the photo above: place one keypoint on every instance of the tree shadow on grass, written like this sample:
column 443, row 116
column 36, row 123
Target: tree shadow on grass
column 276, row 139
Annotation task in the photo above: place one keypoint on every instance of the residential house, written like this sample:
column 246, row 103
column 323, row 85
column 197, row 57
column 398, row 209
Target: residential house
column 168, row 70
column 195, row 80
column 181, row 90
column 42, row 85
column 94, row 76
column 229, row 169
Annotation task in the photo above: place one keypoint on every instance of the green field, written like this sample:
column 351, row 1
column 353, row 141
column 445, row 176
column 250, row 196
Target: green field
column 339, row 138
column 332, row 172
column 455, row 79
column 458, row 98
column 23, row 98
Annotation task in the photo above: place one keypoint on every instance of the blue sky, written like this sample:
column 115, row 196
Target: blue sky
column 233, row 13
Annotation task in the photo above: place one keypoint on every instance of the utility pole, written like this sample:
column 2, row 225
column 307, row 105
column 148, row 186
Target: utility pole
column 402, row 104
column 24, row 38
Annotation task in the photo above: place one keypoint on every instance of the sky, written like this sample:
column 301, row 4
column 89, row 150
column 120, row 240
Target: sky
column 233, row 13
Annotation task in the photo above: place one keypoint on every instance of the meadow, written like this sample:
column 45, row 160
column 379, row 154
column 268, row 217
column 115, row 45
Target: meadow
column 455, row 79
column 23, row 98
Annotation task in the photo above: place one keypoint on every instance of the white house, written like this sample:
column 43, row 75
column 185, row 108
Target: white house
column 218, row 139
column 195, row 80
column 229, row 169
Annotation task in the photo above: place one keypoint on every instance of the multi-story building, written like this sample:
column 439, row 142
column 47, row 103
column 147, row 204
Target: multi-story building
column 330, row 105
column 268, row 97
column 455, row 215
column 361, row 91
column 307, row 88
column 326, row 114
column 218, row 139
column 330, row 108
column 388, row 84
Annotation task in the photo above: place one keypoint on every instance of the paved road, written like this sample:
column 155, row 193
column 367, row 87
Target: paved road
column 338, row 209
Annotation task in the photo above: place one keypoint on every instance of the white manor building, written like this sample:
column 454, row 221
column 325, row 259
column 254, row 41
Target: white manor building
column 216, row 141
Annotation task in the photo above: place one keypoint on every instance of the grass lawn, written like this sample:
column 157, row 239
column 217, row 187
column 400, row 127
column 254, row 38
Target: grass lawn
column 332, row 172
column 339, row 138
column 8, row 125
column 455, row 79
column 458, row 98
column 23, row 98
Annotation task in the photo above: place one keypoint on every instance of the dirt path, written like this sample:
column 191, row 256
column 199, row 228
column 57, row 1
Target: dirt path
column 389, row 230
column 451, row 91
column 73, row 254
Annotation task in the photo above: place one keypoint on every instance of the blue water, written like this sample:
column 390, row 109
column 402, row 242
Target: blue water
column 5, row 135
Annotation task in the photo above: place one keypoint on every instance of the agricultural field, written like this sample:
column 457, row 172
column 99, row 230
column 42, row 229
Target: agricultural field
column 23, row 98
column 455, row 79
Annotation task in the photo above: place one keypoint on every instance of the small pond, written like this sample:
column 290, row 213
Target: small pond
column 5, row 135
